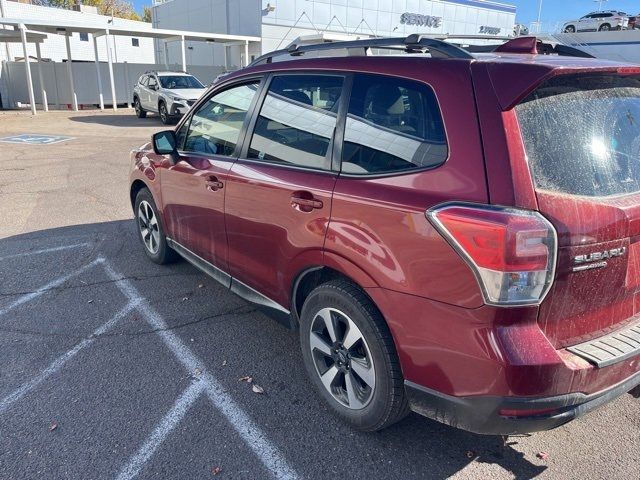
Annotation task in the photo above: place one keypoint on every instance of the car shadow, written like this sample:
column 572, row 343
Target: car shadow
column 120, row 120
column 416, row 447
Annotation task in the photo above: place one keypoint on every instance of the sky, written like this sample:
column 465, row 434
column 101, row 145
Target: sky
column 552, row 10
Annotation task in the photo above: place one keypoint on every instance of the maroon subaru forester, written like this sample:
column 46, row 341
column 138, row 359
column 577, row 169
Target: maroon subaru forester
column 453, row 233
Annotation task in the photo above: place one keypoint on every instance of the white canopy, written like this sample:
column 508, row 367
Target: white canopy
column 35, row 31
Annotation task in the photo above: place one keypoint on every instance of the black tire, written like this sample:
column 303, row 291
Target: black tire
column 165, row 118
column 605, row 27
column 570, row 29
column 387, row 402
column 140, row 112
column 162, row 254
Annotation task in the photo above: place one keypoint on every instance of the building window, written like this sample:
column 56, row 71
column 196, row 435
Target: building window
column 84, row 37
column 135, row 42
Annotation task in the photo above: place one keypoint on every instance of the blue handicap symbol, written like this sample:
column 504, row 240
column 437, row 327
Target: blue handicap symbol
column 35, row 139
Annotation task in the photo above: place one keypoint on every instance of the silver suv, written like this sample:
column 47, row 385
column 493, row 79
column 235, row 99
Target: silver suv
column 598, row 22
column 169, row 94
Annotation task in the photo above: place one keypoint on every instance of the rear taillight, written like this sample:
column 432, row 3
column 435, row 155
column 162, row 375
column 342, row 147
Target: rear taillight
column 512, row 252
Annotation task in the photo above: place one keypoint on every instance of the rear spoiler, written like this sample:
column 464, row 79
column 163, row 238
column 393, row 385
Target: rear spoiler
column 531, row 46
column 514, row 82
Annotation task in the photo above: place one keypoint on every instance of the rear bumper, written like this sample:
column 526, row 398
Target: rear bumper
column 483, row 414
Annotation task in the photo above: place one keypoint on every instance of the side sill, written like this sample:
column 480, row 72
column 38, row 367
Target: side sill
column 264, row 303
column 214, row 272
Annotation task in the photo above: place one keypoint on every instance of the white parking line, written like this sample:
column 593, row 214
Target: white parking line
column 248, row 430
column 59, row 362
column 45, row 250
column 55, row 283
column 160, row 433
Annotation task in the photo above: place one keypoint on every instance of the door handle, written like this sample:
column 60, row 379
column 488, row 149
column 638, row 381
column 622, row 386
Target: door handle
column 305, row 204
column 213, row 184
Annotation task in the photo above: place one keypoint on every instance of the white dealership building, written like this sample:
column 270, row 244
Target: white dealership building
column 278, row 22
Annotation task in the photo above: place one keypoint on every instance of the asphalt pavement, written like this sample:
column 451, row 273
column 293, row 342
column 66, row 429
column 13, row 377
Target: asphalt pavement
column 114, row 367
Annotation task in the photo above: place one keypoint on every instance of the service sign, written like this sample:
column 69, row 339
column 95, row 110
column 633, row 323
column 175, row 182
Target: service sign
column 420, row 20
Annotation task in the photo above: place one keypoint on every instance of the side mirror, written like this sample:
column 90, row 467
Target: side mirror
column 164, row 143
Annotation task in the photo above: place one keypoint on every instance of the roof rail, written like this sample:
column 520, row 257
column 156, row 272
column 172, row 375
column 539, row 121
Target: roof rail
column 436, row 45
column 415, row 43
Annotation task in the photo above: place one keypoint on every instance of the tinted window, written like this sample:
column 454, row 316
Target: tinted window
column 152, row 81
column 392, row 125
column 297, row 121
column 215, row 127
column 582, row 134
column 179, row 81
column 181, row 135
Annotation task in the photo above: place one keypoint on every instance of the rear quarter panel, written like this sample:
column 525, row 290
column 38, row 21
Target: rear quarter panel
column 380, row 224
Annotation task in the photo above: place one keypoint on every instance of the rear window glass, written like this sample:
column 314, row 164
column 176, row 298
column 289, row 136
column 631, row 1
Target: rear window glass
column 392, row 125
column 582, row 135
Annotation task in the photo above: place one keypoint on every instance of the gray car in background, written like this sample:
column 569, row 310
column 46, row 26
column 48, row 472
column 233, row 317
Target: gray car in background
column 169, row 94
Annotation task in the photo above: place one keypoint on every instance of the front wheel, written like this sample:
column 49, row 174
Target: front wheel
column 165, row 118
column 604, row 28
column 570, row 29
column 150, row 229
column 350, row 356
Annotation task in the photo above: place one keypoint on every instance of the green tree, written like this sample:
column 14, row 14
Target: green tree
column 146, row 15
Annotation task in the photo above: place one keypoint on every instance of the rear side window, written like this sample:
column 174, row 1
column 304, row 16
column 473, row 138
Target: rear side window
column 297, row 121
column 143, row 80
column 582, row 134
column 215, row 127
column 392, row 125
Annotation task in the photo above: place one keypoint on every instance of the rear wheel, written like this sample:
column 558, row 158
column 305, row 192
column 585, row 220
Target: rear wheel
column 150, row 229
column 350, row 356
column 605, row 27
column 570, row 29
column 140, row 113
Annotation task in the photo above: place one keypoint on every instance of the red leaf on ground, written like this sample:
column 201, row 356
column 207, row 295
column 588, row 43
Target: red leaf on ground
column 216, row 470
column 542, row 455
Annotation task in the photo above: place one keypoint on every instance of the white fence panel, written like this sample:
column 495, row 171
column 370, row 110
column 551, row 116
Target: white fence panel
column 56, row 82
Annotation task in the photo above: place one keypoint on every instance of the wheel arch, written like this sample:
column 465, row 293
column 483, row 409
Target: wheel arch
column 312, row 276
column 136, row 186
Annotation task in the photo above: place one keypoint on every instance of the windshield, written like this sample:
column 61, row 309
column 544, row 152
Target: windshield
column 175, row 82
column 582, row 134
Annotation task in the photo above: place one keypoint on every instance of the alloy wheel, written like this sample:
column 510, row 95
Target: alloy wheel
column 163, row 113
column 148, row 225
column 137, row 106
column 342, row 358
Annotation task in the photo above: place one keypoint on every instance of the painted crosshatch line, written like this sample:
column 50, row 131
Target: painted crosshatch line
column 35, row 139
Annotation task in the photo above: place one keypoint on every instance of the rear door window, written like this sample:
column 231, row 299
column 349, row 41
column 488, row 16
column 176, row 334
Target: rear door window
column 392, row 125
column 297, row 121
column 582, row 134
